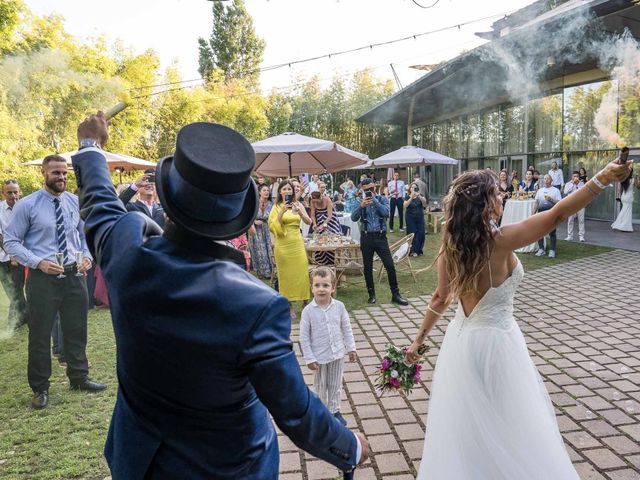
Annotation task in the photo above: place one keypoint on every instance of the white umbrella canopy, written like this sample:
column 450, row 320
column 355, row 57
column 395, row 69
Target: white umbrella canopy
column 114, row 161
column 292, row 154
column 410, row 156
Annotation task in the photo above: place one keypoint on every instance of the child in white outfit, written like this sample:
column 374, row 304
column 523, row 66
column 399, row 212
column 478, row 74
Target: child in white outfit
column 325, row 338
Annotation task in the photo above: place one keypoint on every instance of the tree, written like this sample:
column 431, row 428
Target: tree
column 234, row 47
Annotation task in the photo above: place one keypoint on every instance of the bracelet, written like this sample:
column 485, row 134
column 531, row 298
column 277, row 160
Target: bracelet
column 595, row 194
column 433, row 311
column 598, row 183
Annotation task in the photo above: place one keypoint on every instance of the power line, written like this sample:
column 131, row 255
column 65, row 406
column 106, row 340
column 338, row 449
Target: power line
column 342, row 52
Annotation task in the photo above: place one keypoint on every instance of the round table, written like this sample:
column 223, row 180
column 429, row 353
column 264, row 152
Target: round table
column 516, row 211
column 347, row 222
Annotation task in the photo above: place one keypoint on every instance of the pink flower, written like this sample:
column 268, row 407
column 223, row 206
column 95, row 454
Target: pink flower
column 386, row 363
column 418, row 367
column 394, row 382
column 416, row 377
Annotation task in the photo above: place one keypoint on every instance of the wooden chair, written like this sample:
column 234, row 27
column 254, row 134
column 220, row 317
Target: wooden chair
column 434, row 221
column 348, row 260
column 400, row 253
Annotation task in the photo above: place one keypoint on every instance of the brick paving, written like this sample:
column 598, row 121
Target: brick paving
column 581, row 322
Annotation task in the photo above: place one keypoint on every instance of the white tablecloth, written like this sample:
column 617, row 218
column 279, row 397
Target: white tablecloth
column 355, row 229
column 516, row 211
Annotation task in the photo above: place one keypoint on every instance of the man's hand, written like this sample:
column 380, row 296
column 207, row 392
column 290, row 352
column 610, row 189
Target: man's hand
column 366, row 449
column 50, row 268
column 14, row 262
column 353, row 356
column 366, row 202
column 85, row 265
column 313, row 366
column 96, row 127
column 142, row 181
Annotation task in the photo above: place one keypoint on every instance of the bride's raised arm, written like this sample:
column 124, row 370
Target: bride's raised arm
column 527, row 231
column 438, row 305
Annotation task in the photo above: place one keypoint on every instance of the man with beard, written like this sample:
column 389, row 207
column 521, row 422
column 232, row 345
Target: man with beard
column 11, row 273
column 45, row 227
column 146, row 203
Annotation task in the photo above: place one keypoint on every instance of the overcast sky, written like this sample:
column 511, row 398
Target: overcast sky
column 292, row 29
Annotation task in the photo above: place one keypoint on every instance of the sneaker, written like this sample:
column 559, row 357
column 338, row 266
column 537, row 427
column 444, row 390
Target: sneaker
column 401, row 229
column 338, row 416
column 581, row 239
column 540, row 253
column 568, row 239
column 391, row 230
column 552, row 254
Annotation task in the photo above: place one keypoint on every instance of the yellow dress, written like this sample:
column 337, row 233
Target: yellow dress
column 291, row 257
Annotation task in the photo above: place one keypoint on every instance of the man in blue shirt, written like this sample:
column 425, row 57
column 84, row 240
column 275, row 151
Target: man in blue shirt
column 373, row 213
column 46, row 234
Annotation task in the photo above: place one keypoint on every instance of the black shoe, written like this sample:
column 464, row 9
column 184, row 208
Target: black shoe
column 88, row 385
column 338, row 416
column 397, row 298
column 40, row 400
column 372, row 298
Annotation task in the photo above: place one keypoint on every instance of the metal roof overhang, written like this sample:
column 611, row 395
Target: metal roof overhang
column 453, row 87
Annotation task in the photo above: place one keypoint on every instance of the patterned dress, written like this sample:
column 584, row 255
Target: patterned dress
column 351, row 199
column 334, row 227
column 260, row 244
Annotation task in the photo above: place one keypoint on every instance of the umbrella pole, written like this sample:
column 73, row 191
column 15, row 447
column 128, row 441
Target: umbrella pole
column 290, row 174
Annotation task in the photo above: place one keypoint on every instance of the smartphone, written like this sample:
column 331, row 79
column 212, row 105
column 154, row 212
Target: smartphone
column 624, row 155
column 368, row 194
column 288, row 199
column 151, row 178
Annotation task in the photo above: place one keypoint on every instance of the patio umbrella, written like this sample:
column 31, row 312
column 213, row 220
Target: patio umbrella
column 291, row 153
column 410, row 156
column 115, row 161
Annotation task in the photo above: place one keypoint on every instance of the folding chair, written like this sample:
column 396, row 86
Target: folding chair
column 400, row 254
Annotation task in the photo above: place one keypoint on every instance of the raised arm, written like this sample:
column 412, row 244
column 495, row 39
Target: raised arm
column 527, row 231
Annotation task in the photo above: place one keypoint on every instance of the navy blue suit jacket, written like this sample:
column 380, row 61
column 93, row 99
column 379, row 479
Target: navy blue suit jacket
column 203, row 355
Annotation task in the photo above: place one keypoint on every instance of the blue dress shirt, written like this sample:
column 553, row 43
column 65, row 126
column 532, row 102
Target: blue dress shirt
column 375, row 219
column 31, row 237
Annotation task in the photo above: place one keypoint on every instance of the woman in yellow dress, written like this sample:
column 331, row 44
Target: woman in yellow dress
column 288, row 247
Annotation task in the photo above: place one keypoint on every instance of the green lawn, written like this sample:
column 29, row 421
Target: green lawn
column 65, row 440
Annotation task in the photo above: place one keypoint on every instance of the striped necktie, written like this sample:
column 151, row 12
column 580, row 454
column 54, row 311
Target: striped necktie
column 60, row 233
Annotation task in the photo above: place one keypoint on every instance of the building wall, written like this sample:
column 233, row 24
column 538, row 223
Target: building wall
column 559, row 125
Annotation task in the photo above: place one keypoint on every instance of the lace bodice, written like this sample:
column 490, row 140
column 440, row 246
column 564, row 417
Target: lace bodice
column 495, row 308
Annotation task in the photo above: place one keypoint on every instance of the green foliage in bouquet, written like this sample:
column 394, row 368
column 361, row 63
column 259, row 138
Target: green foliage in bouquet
column 395, row 374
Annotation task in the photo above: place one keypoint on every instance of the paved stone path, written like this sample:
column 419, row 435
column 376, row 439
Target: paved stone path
column 581, row 321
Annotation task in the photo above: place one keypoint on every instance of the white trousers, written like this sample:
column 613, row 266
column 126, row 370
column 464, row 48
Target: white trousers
column 580, row 216
column 328, row 384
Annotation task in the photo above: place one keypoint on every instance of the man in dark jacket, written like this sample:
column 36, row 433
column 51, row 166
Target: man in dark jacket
column 146, row 203
column 204, row 356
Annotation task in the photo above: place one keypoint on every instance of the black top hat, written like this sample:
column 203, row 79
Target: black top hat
column 206, row 186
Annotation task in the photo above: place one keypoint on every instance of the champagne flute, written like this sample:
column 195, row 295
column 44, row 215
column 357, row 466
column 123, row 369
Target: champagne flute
column 78, row 264
column 60, row 261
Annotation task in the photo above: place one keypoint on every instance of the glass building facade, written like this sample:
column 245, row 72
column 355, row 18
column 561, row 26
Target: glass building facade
column 562, row 125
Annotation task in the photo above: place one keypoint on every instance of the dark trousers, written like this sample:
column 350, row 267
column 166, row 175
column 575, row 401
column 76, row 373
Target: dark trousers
column 57, row 338
column 370, row 244
column 393, row 203
column 415, row 225
column 46, row 296
column 12, row 278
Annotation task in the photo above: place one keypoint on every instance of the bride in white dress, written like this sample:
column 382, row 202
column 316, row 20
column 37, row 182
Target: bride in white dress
column 490, row 416
column 624, row 220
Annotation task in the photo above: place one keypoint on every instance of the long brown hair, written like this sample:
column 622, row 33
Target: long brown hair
column 469, row 211
column 280, row 198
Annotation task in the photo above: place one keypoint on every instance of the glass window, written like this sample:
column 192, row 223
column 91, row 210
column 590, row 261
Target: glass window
column 453, row 143
column 512, row 131
column 629, row 117
column 545, row 124
column 491, row 124
column 603, row 206
column 580, row 106
column 475, row 135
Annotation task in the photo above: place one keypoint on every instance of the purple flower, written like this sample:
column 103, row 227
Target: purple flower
column 418, row 367
column 386, row 363
column 394, row 382
column 416, row 377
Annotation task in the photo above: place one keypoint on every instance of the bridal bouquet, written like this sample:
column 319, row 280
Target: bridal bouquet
column 395, row 373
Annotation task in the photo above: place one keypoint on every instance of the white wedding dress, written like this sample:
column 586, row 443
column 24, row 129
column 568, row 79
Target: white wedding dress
column 490, row 416
column 623, row 221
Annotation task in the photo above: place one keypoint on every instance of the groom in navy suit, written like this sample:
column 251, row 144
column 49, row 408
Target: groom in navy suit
column 203, row 351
